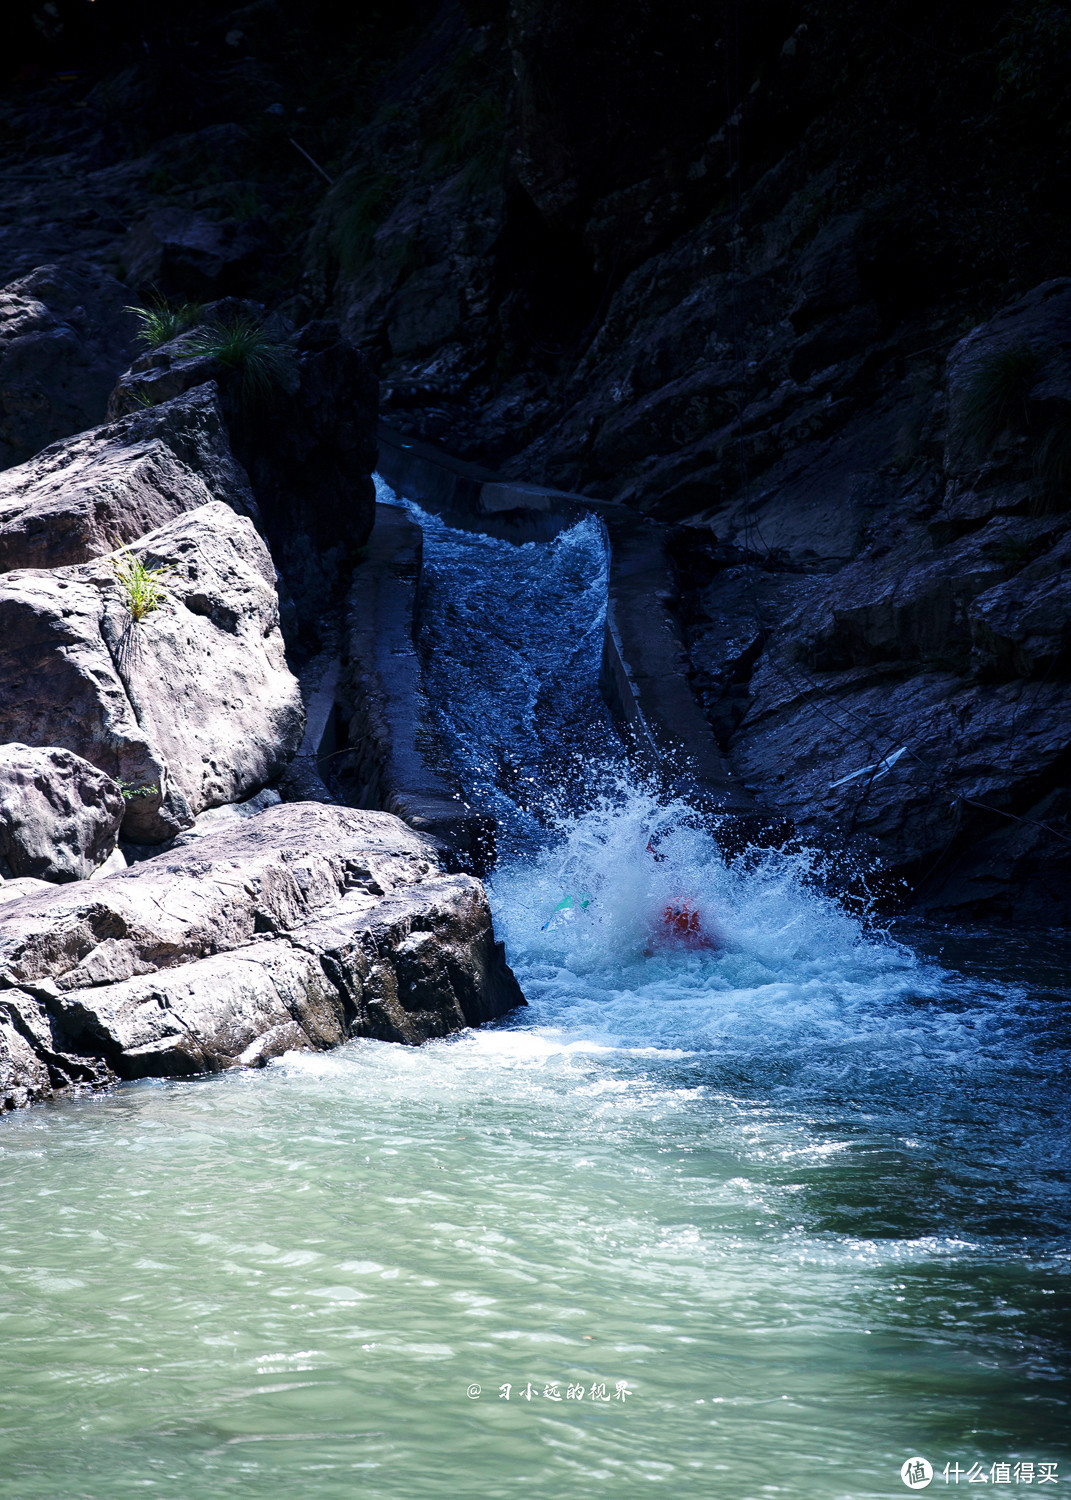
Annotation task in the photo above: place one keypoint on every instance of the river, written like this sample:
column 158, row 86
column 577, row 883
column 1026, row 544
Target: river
column 765, row 1217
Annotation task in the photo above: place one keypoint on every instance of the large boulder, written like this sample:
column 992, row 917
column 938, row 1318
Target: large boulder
column 64, row 337
column 300, row 927
column 59, row 815
column 107, row 487
column 191, row 706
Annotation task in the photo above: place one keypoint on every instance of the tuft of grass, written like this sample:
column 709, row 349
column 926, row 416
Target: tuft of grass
column 161, row 321
column 1000, row 402
column 143, row 588
column 998, row 398
column 473, row 136
column 1015, row 552
column 360, row 215
column 242, row 346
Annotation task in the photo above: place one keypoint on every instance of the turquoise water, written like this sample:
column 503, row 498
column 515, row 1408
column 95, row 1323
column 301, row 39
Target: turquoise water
column 803, row 1193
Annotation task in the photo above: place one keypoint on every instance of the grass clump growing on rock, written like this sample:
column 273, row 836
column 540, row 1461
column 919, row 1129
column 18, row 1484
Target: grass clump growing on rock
column 161, row 321
column 998, row 397
column 1000, row 402
column 364, row 206
column 143, row 588
column 242, row 346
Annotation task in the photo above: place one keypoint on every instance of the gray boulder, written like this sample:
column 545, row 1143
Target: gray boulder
column 301, row 927
column 59, row 815
column 64, row 336
column 191, row 706
column 83, row 497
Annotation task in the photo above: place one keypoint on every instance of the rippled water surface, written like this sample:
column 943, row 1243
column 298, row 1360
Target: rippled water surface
column 802, row 1191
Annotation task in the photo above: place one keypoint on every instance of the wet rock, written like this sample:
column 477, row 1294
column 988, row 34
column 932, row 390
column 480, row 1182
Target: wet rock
column 59, row 815
column 64, row 337
column 302, row 927
column 189, row 707
column 107, row 487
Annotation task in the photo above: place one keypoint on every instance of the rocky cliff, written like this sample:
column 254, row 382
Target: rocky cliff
column 788, row 278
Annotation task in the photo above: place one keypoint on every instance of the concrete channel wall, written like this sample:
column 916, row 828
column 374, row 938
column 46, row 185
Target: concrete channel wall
column 644, row 667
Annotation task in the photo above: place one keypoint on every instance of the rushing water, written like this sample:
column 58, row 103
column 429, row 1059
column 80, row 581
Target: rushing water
column 803, row 1192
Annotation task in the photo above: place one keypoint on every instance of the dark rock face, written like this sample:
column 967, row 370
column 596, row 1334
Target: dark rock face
column 59, row 815
column 723, row 268
column 308, row 443
column 935, row 624
column 310, row 455
column 185, row 254
column 64, row 337
column 302, row 927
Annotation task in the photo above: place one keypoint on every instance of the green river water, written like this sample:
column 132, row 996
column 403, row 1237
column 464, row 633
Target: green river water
column 787, row 1213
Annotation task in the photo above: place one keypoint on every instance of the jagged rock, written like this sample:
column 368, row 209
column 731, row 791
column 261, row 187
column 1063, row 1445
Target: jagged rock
column 968, row 748
column 64, row 337
column 301, row 927
column 107, row 487
column 309, row 447
column 1021, row 627
column 26, row 885
column 191, row 706
column 59, row 815
column 186, row 254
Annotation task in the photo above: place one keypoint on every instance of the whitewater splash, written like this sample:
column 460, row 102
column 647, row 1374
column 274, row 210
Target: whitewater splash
column 787, row 988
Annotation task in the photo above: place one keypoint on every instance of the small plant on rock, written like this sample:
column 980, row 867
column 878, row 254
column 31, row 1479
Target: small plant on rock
column 130, row 791
column 241, row 344
column 142, row 588
column 998, row 398
column 161, row 321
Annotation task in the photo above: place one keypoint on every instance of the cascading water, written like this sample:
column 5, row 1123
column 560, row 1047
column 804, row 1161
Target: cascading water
column 785, row 1211
column 511, row 638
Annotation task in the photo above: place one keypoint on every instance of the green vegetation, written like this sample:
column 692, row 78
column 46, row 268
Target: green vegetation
column 362, row 208
column 241, row 345
column 999, row 403
column 130, row 791
column 1034, row 54
column 142, row 588
column 1015, row 552
column 474, row 136
column 161, row 321
column 998, row 398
